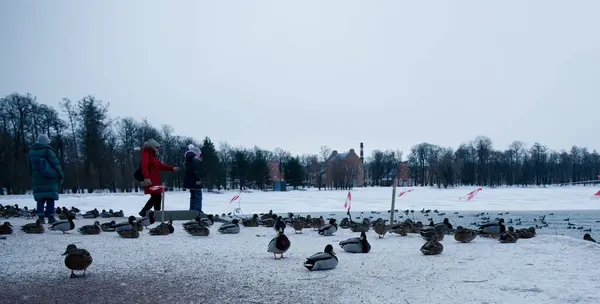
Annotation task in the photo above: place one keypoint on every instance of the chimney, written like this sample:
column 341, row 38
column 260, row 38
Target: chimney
column 362, row 156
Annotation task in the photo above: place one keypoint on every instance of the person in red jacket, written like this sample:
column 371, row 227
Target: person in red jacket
column 151, row 167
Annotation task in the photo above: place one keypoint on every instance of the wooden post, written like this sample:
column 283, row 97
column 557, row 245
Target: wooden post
column 393, row 201
column 162, row 203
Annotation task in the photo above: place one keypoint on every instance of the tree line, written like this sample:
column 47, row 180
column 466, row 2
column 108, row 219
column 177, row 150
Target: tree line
column 100, row 153
column 478, row 163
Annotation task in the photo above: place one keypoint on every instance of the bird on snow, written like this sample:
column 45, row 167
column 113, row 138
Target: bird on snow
column 162, row 229
column 381, row 228
column 279, row 224
column 317, row 223
column 198, row 230
column 298, row 225
column 36, row 227
column 437, row 231
column 360, row 227
column 63, row 226
column 130, row 224
column 130, row 233
column 493, row 229
column 432, row 247
column 77, row 259
column 108, row 226
column 323, row 260
column 526, row 233
column 464, row 235
column 328, row 229
column 588, row 237
column 509, row 236
column 279, row 244
column 356, row 244
column 91, row 229
column 230, row 228
column 6, row 228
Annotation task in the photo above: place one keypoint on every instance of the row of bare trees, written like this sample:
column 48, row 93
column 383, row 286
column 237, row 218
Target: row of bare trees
column 100, row 153
column 478, row 163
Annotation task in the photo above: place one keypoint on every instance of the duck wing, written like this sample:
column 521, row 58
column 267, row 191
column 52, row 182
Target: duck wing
column 349, row 241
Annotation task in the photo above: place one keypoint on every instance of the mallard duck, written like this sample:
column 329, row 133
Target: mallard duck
column 464, row 235
column 329, row 229
column 148, row 220
column 436, row 231
column 108, row 226
column 197, row 230
column 209, row 220
column 317, row 223
column 402, row 228
column 279, row 224
column 161, row 229
column 129, row 233
column 360, row 227
column 77, row 259
column 270, row 222
column 449, row 229
column 323, row 260
column 493, row 229
column 196, row 221
column 432, row 247
column 381, row 228
column 345, row 223
column 6, row 228
column 298, row 225
column 36, row 227
column 129, row 225
column 357, row 244
column 279, row 244
column 588, row 237
column 231, row 228
column 92, row 214
column 509, row 236
column 91, row 229
column 526, row 233
column 63, row 226
column 252, row 222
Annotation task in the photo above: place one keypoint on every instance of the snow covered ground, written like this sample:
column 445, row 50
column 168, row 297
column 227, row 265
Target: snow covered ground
column 237, row 268
column 363, row 199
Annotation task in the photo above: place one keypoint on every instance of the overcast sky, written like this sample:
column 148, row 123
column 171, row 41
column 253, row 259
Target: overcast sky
column 300, row 75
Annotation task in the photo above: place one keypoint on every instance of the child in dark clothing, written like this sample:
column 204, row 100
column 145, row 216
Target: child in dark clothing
column 193, row 177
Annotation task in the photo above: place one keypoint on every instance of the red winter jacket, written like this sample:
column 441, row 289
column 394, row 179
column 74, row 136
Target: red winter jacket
column 149, row 161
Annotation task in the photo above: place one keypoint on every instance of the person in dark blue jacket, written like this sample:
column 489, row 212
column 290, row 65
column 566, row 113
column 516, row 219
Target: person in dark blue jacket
column 46, row 176
column 193, row 177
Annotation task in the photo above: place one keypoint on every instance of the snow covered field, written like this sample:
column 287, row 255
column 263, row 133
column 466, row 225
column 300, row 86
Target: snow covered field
column 238, row 269
column 363, row 199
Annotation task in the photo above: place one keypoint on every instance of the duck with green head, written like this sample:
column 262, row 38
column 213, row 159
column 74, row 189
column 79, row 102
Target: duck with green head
column 322, row 260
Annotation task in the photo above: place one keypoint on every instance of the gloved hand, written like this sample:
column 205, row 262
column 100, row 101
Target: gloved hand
column 147, row 182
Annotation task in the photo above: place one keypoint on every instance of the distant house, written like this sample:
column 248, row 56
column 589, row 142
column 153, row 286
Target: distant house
column 274, row 174
column 344, row 170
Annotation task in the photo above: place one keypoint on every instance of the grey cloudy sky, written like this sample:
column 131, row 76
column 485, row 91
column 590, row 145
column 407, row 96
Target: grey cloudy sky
column 302, row 74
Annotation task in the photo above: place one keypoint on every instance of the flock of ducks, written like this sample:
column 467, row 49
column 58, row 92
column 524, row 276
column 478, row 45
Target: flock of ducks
column 79, row 259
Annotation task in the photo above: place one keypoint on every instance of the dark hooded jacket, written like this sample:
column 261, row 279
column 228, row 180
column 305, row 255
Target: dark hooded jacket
column 193, row 172
column 44, row 185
